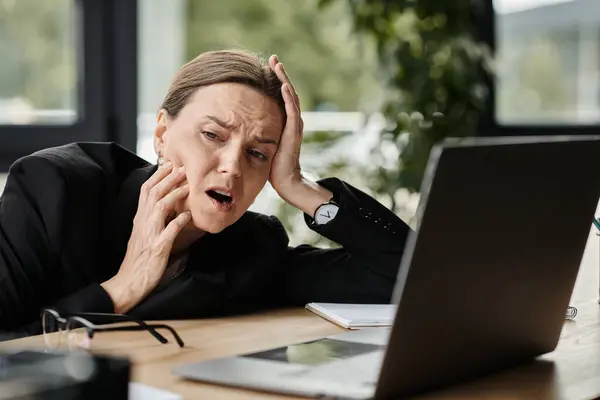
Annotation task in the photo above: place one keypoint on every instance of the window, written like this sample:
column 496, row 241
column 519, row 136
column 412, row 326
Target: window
column 38, row 79
column 548, row 62
column 68, row 74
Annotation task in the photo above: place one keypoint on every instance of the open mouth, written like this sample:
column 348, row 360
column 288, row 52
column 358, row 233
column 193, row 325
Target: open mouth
column 220, row 196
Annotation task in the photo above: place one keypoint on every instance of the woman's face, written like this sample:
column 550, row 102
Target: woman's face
column 225, row 137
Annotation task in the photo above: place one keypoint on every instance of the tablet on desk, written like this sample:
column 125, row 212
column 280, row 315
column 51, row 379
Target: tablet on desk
column 343, row 365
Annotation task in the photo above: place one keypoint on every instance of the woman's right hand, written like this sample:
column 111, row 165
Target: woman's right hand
column 151, row 239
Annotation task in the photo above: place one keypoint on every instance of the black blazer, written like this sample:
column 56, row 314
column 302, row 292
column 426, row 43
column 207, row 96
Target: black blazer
column 66, row 216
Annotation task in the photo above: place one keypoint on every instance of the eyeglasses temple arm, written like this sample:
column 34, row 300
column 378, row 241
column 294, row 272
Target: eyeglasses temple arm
column 144, row 327
column 123, row 317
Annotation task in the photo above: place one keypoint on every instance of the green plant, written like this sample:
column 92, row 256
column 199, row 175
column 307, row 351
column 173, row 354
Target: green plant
column 434, row 73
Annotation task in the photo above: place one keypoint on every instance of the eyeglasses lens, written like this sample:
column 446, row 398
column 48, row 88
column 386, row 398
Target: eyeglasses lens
column 51, row 330
column 77, row 335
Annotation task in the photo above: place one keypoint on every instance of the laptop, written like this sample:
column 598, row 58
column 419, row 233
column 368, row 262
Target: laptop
column 483, row 285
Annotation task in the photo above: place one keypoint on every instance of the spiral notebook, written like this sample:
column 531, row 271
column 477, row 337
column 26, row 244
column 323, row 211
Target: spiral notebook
column 355, row 316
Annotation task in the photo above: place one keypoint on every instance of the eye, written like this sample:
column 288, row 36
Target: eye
column 210, row 135
column 258, row 155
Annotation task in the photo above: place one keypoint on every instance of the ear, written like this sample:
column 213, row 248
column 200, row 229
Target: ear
column 159, row 131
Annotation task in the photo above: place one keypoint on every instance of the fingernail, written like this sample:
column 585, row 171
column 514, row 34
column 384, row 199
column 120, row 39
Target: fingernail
column 168, row 165
column 282, row 67
column 181, row 169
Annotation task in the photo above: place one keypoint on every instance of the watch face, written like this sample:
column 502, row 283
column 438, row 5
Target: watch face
column 326, row 213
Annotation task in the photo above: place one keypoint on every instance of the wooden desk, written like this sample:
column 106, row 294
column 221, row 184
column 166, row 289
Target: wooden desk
column 571, row 372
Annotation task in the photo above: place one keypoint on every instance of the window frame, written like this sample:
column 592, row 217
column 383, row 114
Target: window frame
column 106, row 56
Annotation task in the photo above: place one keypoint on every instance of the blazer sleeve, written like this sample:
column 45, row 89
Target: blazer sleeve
column 32, row 209
column 364, row 269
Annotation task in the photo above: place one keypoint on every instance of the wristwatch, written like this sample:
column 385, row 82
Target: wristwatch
column 326, row 212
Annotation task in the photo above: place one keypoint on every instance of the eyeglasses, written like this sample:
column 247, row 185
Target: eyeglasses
column 80, row 331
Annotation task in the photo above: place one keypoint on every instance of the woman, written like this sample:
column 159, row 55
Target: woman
column 91, row 227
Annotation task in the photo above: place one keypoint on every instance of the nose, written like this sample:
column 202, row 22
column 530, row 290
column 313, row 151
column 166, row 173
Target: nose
column 230, row 161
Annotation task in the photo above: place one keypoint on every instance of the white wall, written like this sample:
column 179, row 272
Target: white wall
column 2, row 182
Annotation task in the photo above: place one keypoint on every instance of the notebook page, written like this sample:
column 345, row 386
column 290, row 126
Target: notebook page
column 355, row 315
column 139, row 391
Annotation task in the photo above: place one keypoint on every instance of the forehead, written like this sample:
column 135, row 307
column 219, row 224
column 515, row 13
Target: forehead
column 238, row 104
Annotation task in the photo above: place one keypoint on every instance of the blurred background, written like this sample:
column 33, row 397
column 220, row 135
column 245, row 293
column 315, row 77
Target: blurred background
column 380, row 81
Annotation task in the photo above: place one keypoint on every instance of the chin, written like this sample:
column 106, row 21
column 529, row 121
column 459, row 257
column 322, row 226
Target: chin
column 211, row 225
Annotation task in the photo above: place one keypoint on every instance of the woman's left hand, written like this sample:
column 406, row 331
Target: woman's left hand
column 286, row 177
column 285, row 169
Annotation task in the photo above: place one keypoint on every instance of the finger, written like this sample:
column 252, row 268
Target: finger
column 156, row 177
column 279, row 69
column 283, row 76
column 166, row 185
column 291, row 107
column 273, row 60
column 174, row 227
column 167, row 204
